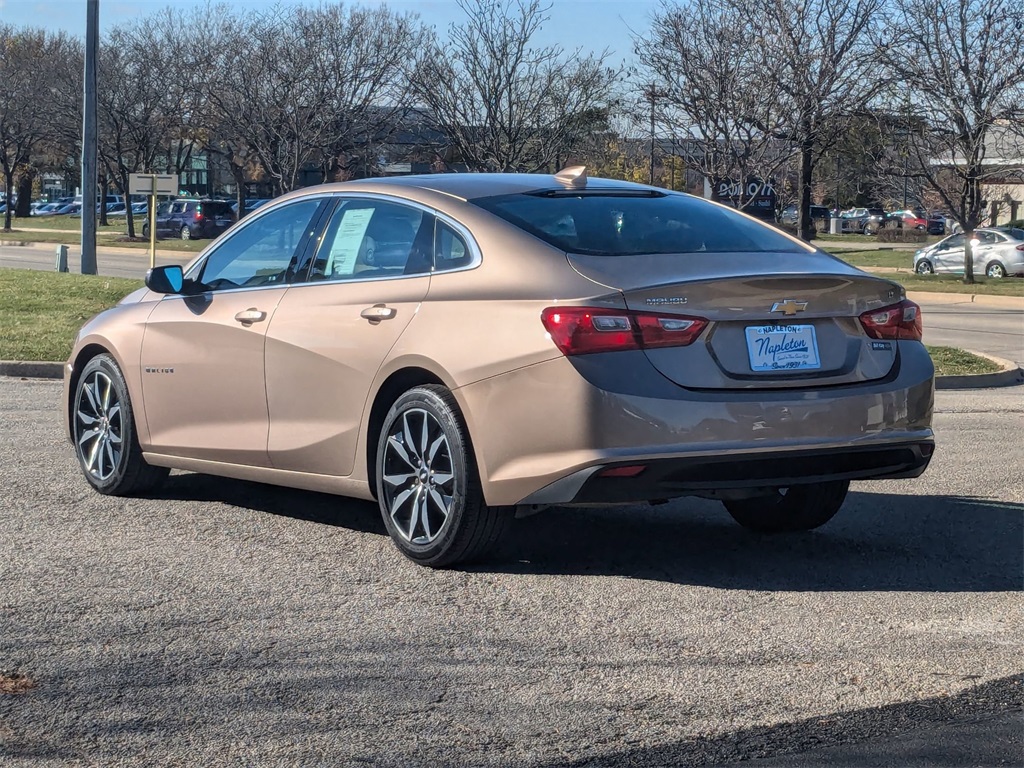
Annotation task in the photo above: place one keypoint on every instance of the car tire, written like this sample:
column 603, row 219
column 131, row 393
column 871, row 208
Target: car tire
column 428, row 487
column 995, row 270
column 924, row 267
column 145, row 230
column 871, row 229
column 797, row 508
column 186, row 233
column 103, row 430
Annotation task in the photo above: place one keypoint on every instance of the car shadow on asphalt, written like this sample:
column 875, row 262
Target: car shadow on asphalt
column 979, row 726
column 351, row 514
column 880, row 542
column 877, row 542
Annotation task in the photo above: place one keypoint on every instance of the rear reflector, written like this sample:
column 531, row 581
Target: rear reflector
column 900, row 321
column 585, row 330
column 631, row 470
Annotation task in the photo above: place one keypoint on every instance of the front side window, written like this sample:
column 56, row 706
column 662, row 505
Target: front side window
column 956, row 241
column 613, row 223
column 373, row 239
column 261, row 251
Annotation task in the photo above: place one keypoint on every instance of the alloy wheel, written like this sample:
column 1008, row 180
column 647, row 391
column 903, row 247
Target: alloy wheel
column 995, row 271
column 100, row 426
column 419, row 477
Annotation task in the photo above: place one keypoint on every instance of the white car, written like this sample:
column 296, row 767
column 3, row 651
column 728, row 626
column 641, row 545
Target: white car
column 998, row 252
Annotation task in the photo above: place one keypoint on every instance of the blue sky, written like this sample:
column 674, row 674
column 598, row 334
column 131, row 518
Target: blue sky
column 586, row 24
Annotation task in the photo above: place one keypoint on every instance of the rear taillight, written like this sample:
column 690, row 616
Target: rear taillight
column 900, row 321
column 584, row 330
column 1020, row 247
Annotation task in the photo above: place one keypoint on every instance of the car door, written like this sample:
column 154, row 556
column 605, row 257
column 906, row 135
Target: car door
column 949, row 255
column 165, row 222
column 985, row 243
column 329, row 336
column 203, row 354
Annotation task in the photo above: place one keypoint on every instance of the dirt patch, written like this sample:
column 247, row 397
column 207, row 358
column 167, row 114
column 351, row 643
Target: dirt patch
column 15, row 683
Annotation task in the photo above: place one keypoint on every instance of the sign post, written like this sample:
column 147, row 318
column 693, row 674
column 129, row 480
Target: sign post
column 152, row 184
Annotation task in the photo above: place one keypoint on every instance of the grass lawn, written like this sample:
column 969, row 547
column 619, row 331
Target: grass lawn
column 853, row 237
column 40, row 312
column 1008, row 286
column 106, row 237
column 900, row 259
column 68, row 223
column 950, row 361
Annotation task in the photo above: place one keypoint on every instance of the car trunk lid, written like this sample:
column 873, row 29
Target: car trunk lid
column 797, row 327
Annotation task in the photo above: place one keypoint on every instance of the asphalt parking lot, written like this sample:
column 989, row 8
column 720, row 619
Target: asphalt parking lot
column 227, row 623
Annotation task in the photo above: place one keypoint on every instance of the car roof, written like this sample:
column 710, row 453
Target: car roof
column 470, row 186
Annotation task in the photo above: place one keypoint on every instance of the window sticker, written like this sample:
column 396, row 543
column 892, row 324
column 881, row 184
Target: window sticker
column 347, row 240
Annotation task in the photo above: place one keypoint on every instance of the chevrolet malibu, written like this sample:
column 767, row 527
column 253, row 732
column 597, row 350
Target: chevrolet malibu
column 466, row 348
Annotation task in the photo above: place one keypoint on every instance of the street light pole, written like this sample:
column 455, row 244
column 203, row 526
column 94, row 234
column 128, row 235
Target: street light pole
column 89, row 144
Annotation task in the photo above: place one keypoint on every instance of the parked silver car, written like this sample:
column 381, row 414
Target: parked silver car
column 998, row 252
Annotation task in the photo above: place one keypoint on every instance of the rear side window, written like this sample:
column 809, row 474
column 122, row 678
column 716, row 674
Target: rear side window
column 617, row 224
column 450, row 249
column 373, row 239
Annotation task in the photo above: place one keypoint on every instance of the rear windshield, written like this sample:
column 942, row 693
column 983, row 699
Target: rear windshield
column 623, row 224
column 217, row 209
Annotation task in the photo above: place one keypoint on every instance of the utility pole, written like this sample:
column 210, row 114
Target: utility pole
column 89, row 143
column 654, row 95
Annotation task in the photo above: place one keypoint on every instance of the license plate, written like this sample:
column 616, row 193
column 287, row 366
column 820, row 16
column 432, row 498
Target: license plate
column 782, row 348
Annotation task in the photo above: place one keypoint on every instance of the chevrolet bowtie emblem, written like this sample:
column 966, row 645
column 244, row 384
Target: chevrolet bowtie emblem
column 789, row 307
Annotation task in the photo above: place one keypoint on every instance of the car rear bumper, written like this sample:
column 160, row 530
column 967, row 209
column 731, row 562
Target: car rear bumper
column 667, row 478
column 543, row 434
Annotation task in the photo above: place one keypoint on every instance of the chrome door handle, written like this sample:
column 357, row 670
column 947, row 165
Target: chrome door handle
column 249, row 316
column 378, row 312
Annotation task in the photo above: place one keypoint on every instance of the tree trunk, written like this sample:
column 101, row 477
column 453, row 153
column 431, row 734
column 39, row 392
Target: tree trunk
column 805, row 225
column 128, row 206
column 239, row 176
column 9, row 190
column 24, row 207
column 973, row 219
column 103, row 201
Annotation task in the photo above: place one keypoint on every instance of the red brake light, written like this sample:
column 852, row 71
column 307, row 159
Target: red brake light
column 585, row 330
column 898, row 321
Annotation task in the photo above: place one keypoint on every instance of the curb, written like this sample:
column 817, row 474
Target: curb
column 1009, row 376
column 31, row 369
column 981, row 299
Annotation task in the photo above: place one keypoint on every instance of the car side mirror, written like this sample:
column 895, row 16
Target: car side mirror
column 167, row 279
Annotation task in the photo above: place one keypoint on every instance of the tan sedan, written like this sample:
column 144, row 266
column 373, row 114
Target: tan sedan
column 463, row 347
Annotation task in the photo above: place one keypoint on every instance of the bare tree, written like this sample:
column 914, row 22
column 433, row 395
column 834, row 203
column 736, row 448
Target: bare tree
column 821, row 59
column 504, row 105
column 963, row 63
column 712, row 80
column 141, row 100
column 302, row 87
column 27, row 111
